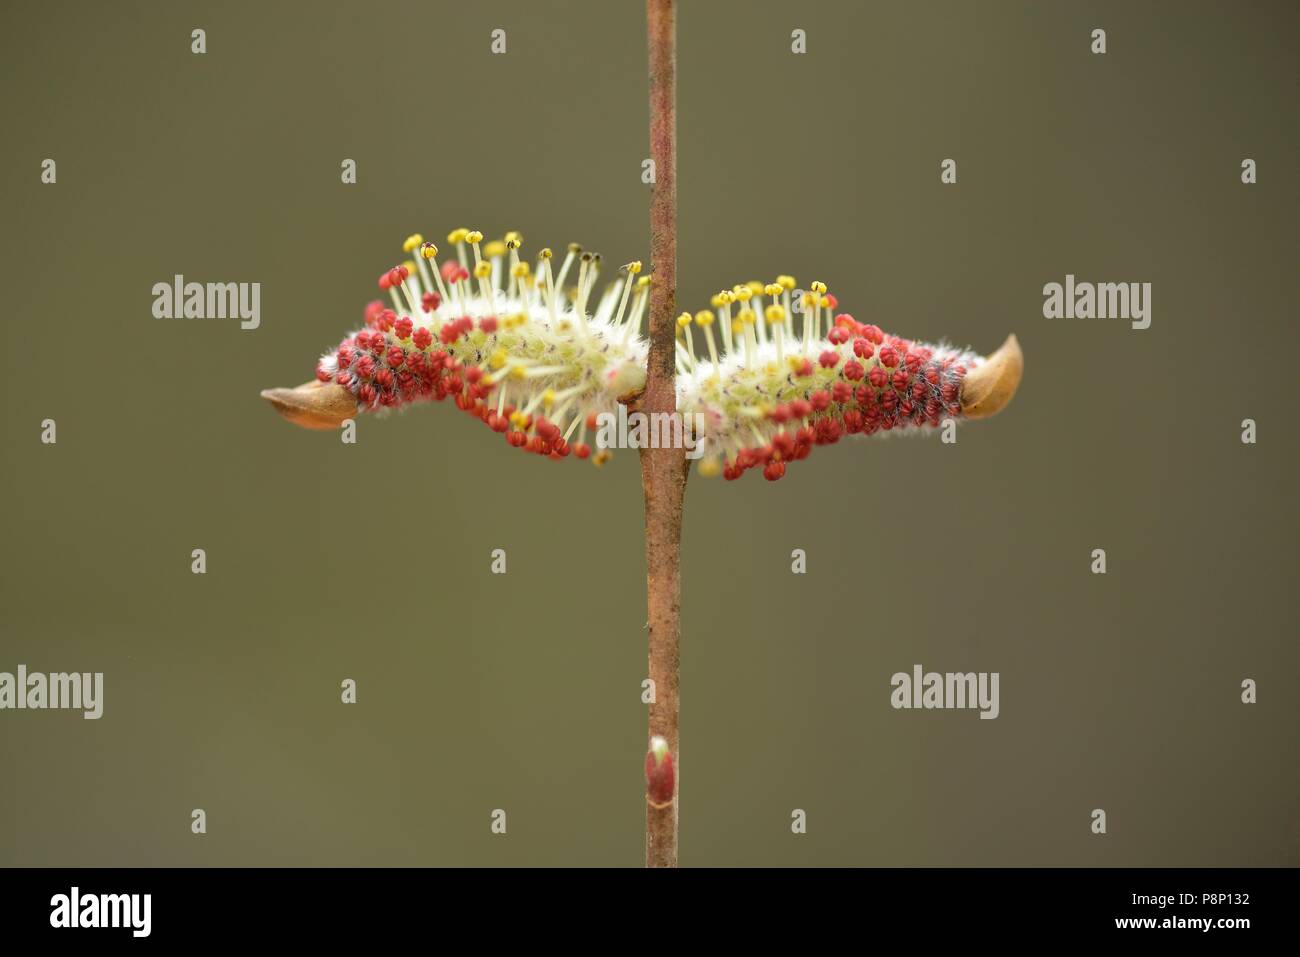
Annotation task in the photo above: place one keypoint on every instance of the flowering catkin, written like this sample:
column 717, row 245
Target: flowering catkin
column 536, row 355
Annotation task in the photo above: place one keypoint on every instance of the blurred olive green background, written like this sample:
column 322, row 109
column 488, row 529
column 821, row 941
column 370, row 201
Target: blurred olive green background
column 522, row 692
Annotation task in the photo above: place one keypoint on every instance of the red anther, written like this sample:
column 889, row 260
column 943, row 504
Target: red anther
column 591, row 421
column 384, row 378
column 396, row 357
column 773, row 471
column 933, row 408
column 730, row 472
column 534, row 443
column 422, row 338
column 949, row 392
column 829, row 301
column 853, row 370
column 402, row 327
column 449, row 270
column 913, row 361
column 841, row 392
column 547, row 429
column 829, row 359
column 744, row 459
column 488, row 324
column 343, row 378
column 853, row 420
column 344, row 357
column 448, row 334
column 582, row 450
column 373, row 309
column 821, row 400
column 845, row 321
column 437, row 357
column 781, row 413
column 366, row 366
column 863, row 349
column 960, row 371
column 888, row 357
column 932, row 375
column 464, row 402
column 323, row 374
column 805, row 369
column 367, row 394
column 888, row 399
column 783, row 443
column 865, row 395
column 560, row 449
column 839, row 335
column 386, row 319
column 800, row 408
column 385, row 281
column 920, row 389
column 474, row 373
column 899, row 380
column 877, row 377
column 873, row 334
column 430, row 301
column 804, row 436
column 454, row 383
column 801, row 452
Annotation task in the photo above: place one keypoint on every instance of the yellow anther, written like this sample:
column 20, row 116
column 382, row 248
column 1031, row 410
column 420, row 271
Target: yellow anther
column 545, row 253
column 518, row 319
column 755, row 286
column 514, row 236
column 824, row 301
column 498, row 359
column 642, row 282
column 774, row 314
column 786, row 282
column 474, row 237
column 548, row 398
column 428, row 250
column 494, row 249
column 483, row 269
column 518, row 372
column 737, row 327
column 716, row 301
column 633, row 267
column 746, row 316
column 683, row 320
column 518, row 419
column 410, row 266
column 575, row 248
column 412, row 241
column 808, row 299
column 704, row 318
column 742, row 293
column 710, row 468
column 818, row 287
column 601, row 457
column 772, row 289
column 519, row 270
column 457, row 235
column 725, row 298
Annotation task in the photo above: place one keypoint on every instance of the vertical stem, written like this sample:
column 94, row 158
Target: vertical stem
column 663, row 471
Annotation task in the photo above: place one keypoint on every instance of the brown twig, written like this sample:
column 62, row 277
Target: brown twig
column 663, row 470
